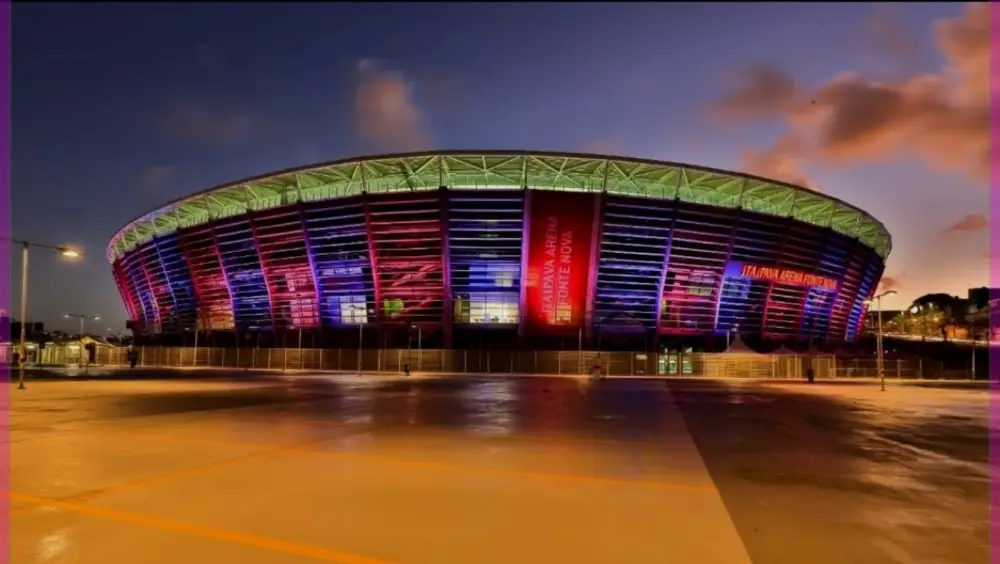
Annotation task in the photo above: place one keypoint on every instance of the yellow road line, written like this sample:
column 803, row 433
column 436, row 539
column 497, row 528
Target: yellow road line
column 444, row 466
column 232, row 537
column 192, row 471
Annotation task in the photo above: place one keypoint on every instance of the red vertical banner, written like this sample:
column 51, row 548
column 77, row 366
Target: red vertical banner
column 559, row 244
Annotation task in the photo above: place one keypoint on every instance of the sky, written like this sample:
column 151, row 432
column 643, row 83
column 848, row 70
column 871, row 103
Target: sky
column 118, row 108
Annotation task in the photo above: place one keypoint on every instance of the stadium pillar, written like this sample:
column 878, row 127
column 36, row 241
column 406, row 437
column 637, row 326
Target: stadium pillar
column 449, row 306
column 522, row 304
column 779, row 261
column 662, row 283
column 373, row 262
column 592, row 265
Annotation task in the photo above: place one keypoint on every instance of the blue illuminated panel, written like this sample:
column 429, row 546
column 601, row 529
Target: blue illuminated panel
column 177, row 274
column 865, row 291
column 635, row 239
column 832, row 264
column 840, row 313
column 757, row 240
column 159, row 288
column 801, row 249
column 336, row 235
column 241, row 263
column 698, row 256
column 485, row 231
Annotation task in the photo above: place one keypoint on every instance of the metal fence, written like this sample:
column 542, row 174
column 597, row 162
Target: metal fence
column 509, row 362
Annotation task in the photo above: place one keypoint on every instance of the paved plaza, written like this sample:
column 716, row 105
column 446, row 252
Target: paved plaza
column 271, row 469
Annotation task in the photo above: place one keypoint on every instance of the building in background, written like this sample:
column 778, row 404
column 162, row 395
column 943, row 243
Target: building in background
column 499, row 249
column 944, row 317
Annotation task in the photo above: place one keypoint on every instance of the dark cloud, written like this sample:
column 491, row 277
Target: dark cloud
column 153, row 178
column 895, row 282
column 215, row 125
column 761, row 91
column 940, row 118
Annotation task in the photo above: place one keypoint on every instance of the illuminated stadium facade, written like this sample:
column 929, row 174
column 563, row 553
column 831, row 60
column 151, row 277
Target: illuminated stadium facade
column 514, row 245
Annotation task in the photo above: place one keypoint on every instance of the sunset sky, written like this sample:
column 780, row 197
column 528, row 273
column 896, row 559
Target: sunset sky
column 118, row 108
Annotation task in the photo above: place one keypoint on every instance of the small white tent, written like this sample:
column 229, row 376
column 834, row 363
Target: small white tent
column 784, row 351
column 739, row 347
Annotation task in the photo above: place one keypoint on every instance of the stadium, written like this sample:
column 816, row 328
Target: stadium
column 508, row 249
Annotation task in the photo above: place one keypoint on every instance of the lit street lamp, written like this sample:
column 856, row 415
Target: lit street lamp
column 67, row 252
column 879, row 358
column 82, row 317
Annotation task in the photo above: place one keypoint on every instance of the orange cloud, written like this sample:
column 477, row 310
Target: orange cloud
column 941, row 118
column 387, row 114
column 779, row 162
column 971, row 222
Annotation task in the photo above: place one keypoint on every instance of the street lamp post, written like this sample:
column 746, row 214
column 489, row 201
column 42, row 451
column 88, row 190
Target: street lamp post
column 67, row 252
column 82, row 317
column 361, row 344
column 879, row 352
column 409, row 339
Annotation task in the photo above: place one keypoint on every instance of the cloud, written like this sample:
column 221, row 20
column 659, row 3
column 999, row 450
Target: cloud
column 778, row 162
column 940, row 118
column 216, row 125
column 387, row 114
column 761, row 91
column 152, row 178
column 971, row 222
column 884, row 35
column 889, row 282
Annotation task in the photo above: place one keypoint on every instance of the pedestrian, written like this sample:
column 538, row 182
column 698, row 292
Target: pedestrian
column 810, row 376
column 406, row 369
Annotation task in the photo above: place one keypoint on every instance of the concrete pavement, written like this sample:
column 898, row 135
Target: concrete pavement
column 269, row 468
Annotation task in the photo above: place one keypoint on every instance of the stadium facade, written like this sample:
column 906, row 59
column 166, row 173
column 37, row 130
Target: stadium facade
column 536, row 245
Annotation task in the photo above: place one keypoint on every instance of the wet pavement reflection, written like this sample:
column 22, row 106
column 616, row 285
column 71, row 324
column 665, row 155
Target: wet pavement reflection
column 496, row 469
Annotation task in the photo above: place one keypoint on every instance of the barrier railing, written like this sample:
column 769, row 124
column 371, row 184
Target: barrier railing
column 509, row 362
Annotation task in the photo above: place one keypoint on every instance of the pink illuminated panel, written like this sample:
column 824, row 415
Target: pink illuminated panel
column 281, row 243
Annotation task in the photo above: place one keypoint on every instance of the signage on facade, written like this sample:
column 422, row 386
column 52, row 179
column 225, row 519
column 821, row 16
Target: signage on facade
column 559, row 240
column 781, row 275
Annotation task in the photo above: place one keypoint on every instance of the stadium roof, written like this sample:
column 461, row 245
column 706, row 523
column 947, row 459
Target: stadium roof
column 504, row 170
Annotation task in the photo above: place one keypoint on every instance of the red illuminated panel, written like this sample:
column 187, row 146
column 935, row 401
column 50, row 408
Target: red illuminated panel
column 285, row 263
column 131, row 304
column 558, row 258
column 207, row 278
column 786, row 276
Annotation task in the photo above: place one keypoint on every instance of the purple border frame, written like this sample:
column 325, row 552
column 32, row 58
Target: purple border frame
column 994, row 368
column 5, row 390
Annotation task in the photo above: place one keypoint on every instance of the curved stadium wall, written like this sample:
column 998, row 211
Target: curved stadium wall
column 544, row 244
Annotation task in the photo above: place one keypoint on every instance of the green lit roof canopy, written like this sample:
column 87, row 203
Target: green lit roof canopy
column 492, row 170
